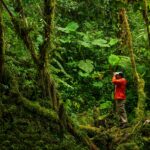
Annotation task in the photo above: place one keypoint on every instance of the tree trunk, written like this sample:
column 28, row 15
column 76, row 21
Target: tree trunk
column 47, row 83
column 145, row 17
column 122, row 34
column 139, row 81
column 2, row 51
column 48, row 86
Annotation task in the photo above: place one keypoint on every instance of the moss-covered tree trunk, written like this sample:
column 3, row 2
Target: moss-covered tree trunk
column 2, row 51
column 46, row 49
column 145, row 17
column 122, row 34
column 139, row 81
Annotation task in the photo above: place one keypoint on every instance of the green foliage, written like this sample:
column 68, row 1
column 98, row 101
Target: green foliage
column 113, row 60
column 86, row 65
column 87, row 45
column 98, row 84
column 100, row 42
column 128, row 146
column 106, row 105
column 113, row 41
column 121, row 61
column 125, row 64
column 71, row 27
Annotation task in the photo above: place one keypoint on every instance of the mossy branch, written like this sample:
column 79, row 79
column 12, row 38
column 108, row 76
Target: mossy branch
column 24, row 35
column 32, row 106
column 90, row 129
column 36, row 108
column 21, row 28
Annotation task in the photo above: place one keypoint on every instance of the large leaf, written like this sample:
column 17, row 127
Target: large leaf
column 113, row 60
column 85, row 44
column 83, row 74
column 65, row 40
column 71, row 27
column 113, row 42
column 123, row 62
column 86, row 65
column 98, row 84
column 100, row 42
column 106, row 105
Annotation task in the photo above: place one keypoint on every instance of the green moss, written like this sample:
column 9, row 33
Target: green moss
column 35, row 107
column 128, row 146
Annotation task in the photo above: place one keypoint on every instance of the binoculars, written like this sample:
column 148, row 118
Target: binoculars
column 118, row 73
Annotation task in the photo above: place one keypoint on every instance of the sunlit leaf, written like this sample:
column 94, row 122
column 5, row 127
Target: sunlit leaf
column 65, row 40
column 85, row 44
column 86, row 65
column 113, row 59
column 100, row 42
column 72, row 26
column 106, row 105
column 113, row 42
column 83, row 74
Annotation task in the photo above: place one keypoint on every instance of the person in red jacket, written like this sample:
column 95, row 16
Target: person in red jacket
column 120, row 97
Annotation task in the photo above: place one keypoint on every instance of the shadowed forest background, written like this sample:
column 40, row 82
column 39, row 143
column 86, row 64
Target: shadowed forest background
column 57, row 59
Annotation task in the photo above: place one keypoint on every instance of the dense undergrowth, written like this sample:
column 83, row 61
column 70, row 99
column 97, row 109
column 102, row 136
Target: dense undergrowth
column 21, row 129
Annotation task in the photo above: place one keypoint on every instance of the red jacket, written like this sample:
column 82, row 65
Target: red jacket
column 120, row 87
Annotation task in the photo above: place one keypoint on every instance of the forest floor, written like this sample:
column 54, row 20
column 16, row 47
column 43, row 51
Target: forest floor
column 27, row 124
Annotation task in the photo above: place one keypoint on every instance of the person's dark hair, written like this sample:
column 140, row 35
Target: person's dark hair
column 121, row 74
